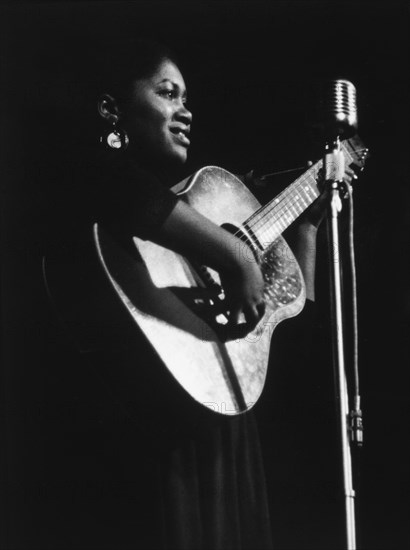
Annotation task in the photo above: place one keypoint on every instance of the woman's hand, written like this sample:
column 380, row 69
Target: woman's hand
column 189, row 233
column 314, row 215
column 305, row 231
column 243, row 289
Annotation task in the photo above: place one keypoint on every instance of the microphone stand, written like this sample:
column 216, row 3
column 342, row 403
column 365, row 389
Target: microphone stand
column 334, row 173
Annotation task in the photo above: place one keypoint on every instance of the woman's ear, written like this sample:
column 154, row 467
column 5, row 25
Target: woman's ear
column 108, row 108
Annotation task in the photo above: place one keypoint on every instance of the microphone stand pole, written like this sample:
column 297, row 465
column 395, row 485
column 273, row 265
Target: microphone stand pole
column 334, row 172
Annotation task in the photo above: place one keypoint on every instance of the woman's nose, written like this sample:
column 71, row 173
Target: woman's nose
column 183, row 114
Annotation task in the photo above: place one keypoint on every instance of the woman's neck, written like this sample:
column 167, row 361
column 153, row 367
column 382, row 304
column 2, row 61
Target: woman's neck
column 169, row 173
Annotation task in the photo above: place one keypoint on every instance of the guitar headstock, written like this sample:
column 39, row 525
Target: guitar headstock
column 355, row 152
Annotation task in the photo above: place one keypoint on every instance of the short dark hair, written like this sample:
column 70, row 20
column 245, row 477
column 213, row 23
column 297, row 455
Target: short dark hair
column 138, row 59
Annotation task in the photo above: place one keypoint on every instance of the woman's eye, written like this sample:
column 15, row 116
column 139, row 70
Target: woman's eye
column 168, row 93
column 172, row 94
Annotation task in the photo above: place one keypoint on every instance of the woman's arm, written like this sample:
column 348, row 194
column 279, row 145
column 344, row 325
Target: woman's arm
column 303, row 243
column 189, row 233
column 137, row 203
column 303, row 233
column 304, row 249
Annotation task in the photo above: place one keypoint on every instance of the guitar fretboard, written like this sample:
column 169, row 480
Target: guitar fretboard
column 269, row 222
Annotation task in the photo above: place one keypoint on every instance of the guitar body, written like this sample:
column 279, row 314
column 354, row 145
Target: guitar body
column 221, row 367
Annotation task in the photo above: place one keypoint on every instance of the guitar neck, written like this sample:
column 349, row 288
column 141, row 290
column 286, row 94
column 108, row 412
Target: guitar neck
column 272, row 219
column 269, row 222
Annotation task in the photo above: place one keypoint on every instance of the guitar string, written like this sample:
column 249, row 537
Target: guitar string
column 279, row 205
column 287, row 201
column 266, row 210
column 284, row 199
column 270, row 230
column 283, row 212
column 303, row 175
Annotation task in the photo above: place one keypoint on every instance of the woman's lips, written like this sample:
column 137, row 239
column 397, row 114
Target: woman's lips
column 181, row 137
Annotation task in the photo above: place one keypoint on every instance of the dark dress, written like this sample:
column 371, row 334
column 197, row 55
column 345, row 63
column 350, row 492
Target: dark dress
column 142, row 466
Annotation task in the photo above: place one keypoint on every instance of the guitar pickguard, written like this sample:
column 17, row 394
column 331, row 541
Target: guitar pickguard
column 283, row 283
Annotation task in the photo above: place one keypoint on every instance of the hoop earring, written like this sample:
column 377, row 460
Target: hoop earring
column 116, row 139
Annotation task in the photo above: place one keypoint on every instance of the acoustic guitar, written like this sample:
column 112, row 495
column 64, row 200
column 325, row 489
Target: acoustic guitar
column 221, row 366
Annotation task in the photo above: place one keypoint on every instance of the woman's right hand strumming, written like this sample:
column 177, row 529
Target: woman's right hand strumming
column 189, row 233
column 243, row 289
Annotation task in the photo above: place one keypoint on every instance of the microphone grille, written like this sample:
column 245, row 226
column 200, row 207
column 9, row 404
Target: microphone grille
column 336, row 110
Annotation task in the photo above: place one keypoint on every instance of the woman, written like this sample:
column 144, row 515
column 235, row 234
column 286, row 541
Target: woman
column 196, row 484
column 211, row 483
column 154, row 117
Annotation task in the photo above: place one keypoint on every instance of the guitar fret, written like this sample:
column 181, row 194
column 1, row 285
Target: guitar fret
column 307, row 192
column 298, row 206
column 293, row 207
column 272, row 219
column 306, row 204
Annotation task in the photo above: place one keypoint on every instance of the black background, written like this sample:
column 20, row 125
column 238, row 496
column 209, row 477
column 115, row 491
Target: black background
column 247, row 66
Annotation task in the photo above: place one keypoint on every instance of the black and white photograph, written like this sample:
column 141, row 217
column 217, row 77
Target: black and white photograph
column 205, row 299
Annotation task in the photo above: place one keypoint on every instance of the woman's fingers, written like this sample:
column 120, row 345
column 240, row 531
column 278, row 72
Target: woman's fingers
column 253, row 314
column 261, row 307
column 234, row 314
column 350, row 175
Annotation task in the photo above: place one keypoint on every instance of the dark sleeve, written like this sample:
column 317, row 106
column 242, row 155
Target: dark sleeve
column 133, row 201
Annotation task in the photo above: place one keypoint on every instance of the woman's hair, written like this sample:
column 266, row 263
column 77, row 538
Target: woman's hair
column 123, row 65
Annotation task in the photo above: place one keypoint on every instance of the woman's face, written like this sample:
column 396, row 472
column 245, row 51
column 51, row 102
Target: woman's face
column 156, row 119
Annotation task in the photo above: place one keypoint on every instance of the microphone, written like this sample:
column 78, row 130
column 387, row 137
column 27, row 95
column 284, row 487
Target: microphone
column 334, row 109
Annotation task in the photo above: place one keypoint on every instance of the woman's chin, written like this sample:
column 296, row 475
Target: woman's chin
column 175, row 160
column 180, row 156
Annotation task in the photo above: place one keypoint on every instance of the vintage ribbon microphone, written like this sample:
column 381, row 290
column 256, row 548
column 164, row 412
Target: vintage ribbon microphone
column 335, row 115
